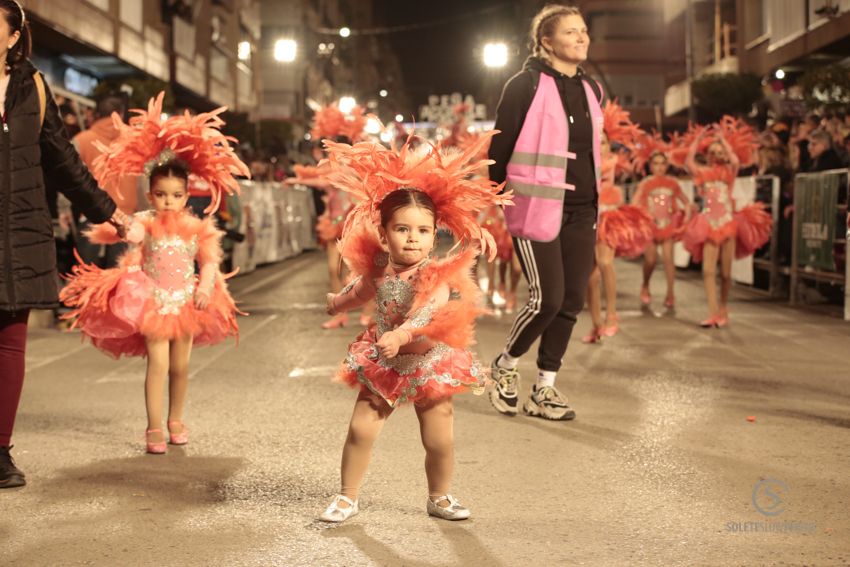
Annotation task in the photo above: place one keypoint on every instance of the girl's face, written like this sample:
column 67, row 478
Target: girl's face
column 409, row 235
column 169, row 194
column 716, row 153
column 570, row 41
column 658, row 165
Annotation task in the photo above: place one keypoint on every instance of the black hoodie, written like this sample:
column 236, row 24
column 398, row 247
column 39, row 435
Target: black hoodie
column 510, row 115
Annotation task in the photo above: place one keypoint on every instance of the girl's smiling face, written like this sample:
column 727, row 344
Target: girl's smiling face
column 169, row 194
column 409, row 235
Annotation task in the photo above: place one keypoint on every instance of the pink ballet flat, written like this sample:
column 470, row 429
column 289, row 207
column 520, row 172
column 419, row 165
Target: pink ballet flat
column 593, row 337
column 178, row 438
column 155, row 448
column 336, row 321
column 613, row 328
column 670, row 303
column 645, row 298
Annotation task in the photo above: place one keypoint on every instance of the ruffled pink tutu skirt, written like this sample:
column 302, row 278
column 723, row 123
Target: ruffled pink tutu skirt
column 751, row 227
column 116, row 309
column 439, row 373
column 628, row 230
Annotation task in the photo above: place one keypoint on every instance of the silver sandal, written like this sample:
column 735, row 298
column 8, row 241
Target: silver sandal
column 336, row 514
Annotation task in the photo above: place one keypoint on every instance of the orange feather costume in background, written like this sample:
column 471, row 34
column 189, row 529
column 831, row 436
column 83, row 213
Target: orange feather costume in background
column 437, row 303
column 626, row 229
column 150, row 295
column 719, row 219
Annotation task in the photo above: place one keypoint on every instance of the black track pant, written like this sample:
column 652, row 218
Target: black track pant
column 557, row 274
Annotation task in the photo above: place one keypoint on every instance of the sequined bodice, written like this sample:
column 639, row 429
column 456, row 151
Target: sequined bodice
column 393, row 300
column 661, row 204
column 170, row 263
column 717, row 206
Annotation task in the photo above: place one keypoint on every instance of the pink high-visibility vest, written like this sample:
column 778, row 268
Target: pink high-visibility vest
column 537, row 170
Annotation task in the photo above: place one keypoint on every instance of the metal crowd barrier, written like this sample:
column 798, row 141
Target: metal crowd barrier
column 278, row 222
column 820, row 230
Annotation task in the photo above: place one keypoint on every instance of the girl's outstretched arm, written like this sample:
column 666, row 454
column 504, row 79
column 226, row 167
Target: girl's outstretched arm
column 355, row 294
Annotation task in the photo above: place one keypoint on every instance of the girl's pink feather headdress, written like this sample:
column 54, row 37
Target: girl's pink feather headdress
column 330, row 122
column 148, row 141
column 370, row 172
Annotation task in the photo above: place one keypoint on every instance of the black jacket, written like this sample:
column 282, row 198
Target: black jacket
column 517, row 96
column 32, row 158
column 827, row 160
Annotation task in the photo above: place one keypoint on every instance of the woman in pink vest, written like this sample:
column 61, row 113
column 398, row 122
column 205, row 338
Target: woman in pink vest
column 548, row 153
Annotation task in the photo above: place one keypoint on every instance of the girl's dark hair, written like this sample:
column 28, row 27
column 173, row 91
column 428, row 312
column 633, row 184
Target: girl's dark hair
column 405, row 197
column 174, row 168
column 17, row 21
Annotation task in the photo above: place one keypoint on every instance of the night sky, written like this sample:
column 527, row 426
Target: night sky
column 446, row 58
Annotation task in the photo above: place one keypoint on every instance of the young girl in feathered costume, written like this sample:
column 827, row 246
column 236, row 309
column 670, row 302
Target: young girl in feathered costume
column 330, row 123
column 153, row 304
column 416, row 352
column 720, row 231
column 662, row 198
column 622, row 230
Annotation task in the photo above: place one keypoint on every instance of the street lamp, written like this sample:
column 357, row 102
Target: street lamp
column 344, row 32
column 285, row 50
column 780, row 74
column 399, row 118
column 383, row 93
column 347, row 104
column 495, row 55
column 244, row 51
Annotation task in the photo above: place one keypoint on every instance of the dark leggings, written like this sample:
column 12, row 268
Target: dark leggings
column 13, row 342
column 557, row 274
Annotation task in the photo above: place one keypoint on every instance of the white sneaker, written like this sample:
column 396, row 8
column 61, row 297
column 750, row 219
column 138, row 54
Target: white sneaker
column 336, row 514
column 454, row 511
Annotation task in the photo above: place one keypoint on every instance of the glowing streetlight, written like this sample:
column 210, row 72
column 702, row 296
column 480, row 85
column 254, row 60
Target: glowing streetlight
column 243, row 50
column 344, row 32
column 383, row 93
column 780, row 74
column 347, row 104
column 285, row 50
column 495, row 55
column 399, row 118
column 372, row 126
column 386, row 136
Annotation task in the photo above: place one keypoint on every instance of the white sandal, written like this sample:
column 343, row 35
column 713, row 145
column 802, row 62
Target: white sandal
column 454, row 511
column 336, row 514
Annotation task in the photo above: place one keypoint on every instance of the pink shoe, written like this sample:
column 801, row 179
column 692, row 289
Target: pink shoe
column 178, row 438
column 336, row 321
column 723, row 317
column 595, row 336
column 155, row 448
column 613, row 328
column 670, row 303
column 645, row 298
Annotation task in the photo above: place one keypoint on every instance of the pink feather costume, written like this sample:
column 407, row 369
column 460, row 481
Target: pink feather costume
column 149, row 296
column 435, row 302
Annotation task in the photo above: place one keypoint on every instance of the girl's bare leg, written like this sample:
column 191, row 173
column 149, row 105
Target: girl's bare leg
column 334, row 267
column 727, row 254
column 178, row 379
column 594, row 298
column 650, row 257
column 436, row 427
column 367, row 420
column 605, row 262
column 669, row 266
column 710, row 252
column 157, row 370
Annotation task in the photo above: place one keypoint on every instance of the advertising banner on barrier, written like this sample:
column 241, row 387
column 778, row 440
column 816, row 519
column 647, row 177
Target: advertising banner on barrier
column 815, row 201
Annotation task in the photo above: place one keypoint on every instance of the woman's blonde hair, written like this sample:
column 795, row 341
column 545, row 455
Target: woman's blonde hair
column 544, row 25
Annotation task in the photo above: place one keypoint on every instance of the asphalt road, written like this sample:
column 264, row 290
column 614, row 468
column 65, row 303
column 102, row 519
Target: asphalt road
column 661, row 466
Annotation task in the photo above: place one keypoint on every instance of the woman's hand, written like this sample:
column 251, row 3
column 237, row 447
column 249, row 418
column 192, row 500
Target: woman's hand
column 121, row 222
column 202, row 298
column 389, row 343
